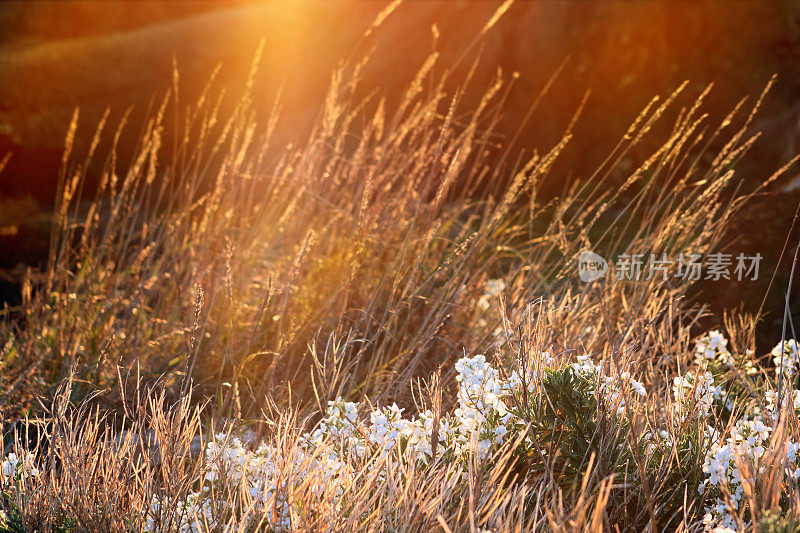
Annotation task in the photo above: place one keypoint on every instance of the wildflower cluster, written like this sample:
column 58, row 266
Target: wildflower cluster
column 614, row 390
column 788, row 358
column 257, row 485
column 323, row 457
column 14, row 467
column 735, row 457
column 748, row 442
column 713, row 346
column 696, row 390
column 484, row 419
column 12, row 470
column 255, row 482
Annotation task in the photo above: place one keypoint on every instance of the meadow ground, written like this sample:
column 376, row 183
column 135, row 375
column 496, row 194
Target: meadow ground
column 383, row 329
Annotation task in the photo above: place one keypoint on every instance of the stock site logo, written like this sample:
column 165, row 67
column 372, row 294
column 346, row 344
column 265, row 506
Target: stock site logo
column 591, row 266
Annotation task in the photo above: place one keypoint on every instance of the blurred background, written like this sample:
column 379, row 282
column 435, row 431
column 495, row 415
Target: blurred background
column 93, row 55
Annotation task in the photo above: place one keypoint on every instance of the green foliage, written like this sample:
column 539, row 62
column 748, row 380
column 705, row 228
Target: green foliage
column 674, row 471
column 575, row 433
column 565, row 426
column 15, row 522
column 777, row 523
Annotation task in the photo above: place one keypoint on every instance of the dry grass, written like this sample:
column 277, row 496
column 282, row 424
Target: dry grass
column 220, row 280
